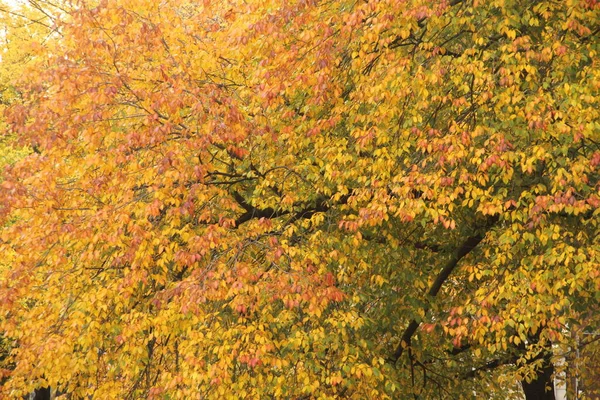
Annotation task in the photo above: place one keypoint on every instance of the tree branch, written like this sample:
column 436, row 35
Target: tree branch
column 307, row 212
column 463, row 250
column 253, row 212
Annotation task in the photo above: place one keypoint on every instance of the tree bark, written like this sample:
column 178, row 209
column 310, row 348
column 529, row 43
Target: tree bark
column 462, row 251
column 42, row 394
column 542, row 387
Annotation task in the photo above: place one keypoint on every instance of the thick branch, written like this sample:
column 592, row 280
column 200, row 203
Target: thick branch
column 490, row 365
column 410, row 330
column 252, row 212
column 465, row 249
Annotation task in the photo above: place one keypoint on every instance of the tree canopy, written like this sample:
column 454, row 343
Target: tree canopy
column 302, row 199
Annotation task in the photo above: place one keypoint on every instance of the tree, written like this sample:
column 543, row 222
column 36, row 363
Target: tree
column 19, row 31
column 22, row 27
column 304, row 199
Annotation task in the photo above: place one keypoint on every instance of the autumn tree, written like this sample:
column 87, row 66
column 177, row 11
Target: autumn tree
column 19, row 32
column 22, row 29
column 304, row 199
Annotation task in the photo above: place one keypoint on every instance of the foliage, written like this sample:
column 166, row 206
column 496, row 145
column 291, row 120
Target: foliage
column 303, row 199
column 18, row 33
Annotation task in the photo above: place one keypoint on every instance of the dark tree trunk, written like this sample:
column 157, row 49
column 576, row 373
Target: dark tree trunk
column 542, row 388
column 42, row 394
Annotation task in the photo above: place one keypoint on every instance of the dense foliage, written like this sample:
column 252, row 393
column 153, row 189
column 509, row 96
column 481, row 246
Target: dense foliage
column 302, row 199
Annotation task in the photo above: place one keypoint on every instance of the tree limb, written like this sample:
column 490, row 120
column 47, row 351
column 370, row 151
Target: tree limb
column 252, row 212
column 462, row 251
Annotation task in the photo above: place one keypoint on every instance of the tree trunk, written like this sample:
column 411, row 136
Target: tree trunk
column 542, row 387
column 42, row 394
